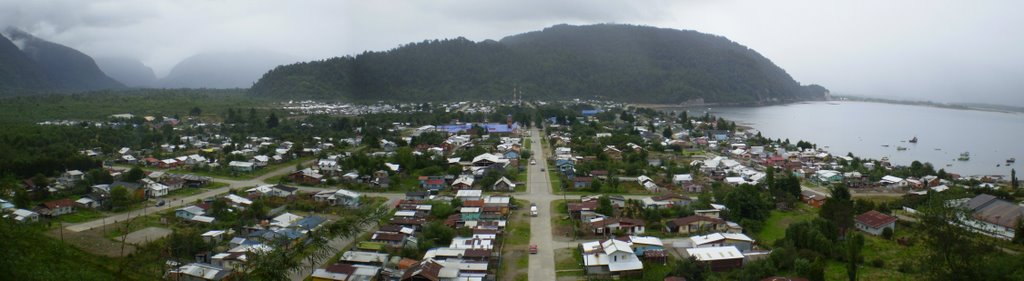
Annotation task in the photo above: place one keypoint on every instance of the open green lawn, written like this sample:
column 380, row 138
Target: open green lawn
column 568, row 262
column 776, row 224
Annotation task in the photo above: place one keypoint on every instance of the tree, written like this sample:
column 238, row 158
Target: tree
column 272, row 121
column 1014, row 184
column 667, row 133
column 98, row 176
column 21, row 198
column 954, row 253
column 438, row 233
column 119, row 198
column 195, row 111
column 133, row 175
column 441, row 210
column 839, row 208
column 887, row 233
column 748, row 202
column 604, row 206
column 854, row 244
column 39, row 180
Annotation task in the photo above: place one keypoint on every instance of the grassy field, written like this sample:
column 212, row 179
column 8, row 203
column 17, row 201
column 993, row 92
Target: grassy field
column 100, row 105
column 31, row 255
column 556, row 180
column 776, row 224
column 891, row 253
column 875, row 248
column 568, row 262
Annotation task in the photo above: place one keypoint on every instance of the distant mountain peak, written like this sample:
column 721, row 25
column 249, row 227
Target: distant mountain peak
column 62, row 67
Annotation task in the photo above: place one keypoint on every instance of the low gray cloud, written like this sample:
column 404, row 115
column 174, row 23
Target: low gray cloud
column 932, row 50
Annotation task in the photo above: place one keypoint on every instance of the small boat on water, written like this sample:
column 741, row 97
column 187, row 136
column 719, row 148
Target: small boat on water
column 1011, row 160
column 937, row 149
column 913, row 140
column 964, row 156
column 900, row 148
column 885, row 145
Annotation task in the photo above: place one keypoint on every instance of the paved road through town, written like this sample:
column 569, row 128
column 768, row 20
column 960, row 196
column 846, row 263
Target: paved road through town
column 542, row 264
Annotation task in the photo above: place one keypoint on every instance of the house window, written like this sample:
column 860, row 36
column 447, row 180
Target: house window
column 615, row 258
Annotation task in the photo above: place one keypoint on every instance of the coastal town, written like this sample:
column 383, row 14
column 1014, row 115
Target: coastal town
column 502, row 190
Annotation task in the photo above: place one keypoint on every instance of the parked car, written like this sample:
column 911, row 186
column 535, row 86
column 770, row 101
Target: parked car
column 161, row 203
column 533, row 248
column 533, row 209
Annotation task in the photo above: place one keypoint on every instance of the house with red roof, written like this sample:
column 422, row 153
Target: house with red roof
column 874, row 222
column 56, row 208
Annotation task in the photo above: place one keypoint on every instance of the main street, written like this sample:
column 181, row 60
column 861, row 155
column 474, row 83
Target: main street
column 542, row 264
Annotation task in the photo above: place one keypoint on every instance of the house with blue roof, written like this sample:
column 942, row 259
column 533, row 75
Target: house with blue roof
column 309, row 223
column 566, row 166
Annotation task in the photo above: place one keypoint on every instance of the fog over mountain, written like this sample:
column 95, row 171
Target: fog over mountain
column 128, row 71
column 944, row 50
column 223, row 69
column 49, row 66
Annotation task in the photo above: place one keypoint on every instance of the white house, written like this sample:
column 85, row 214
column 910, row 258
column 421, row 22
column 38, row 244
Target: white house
column 157, row 189
column 469, row 194
column 261, row 160
column 242, row 166
column 611, row 256
column 22, row 215
column 891, row 181
column 338, row 197
column 681, row 179
column 329, row 167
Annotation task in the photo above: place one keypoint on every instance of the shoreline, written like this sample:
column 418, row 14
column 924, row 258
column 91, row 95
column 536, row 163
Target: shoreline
column 744, row 125
column 981, row 108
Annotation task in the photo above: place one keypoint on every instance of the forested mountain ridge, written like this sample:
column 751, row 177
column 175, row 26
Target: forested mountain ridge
column 610, row 61
column 65, row 68
column 18, row 71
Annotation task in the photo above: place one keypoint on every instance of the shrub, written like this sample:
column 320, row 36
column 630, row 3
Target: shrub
column 887, row 233
column 879, row 263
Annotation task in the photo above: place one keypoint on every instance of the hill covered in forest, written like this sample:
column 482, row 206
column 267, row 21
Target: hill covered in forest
column 609, row 61
column 43, row 65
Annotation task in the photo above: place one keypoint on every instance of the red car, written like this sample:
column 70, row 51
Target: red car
column 533, row 249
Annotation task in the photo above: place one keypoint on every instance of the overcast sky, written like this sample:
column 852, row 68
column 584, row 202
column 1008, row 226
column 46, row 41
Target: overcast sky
column 949, row 51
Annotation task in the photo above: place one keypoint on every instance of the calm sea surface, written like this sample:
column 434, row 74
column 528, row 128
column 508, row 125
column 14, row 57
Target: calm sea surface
column 863, row 128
